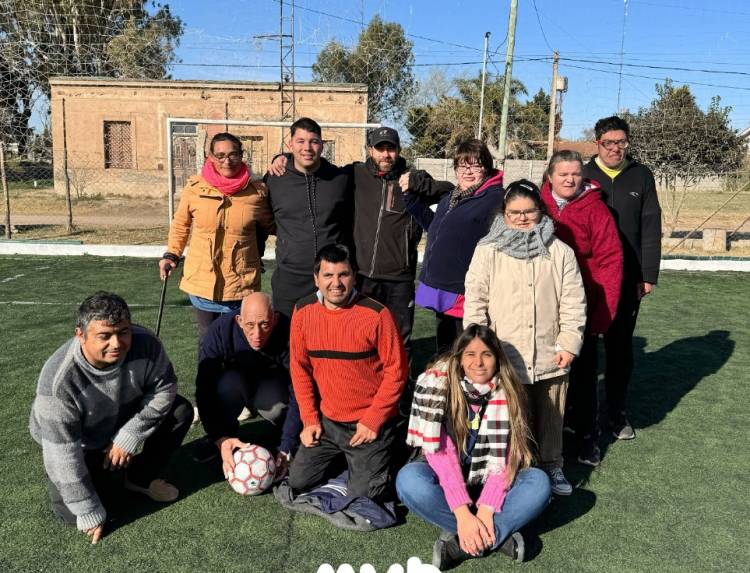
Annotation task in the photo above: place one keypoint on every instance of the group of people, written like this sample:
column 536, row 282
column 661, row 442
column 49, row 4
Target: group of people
column 523, row 282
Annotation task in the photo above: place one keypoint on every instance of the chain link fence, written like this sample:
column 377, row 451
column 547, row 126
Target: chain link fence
column 88, row 153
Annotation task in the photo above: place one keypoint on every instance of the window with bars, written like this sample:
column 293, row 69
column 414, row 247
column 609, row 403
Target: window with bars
column 118, row 145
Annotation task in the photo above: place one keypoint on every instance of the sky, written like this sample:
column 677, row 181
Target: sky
column 696, row 43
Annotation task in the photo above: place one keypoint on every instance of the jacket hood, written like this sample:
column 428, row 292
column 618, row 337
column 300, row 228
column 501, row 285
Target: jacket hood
column 591, row 193
column 496, row 179
column 324, row 168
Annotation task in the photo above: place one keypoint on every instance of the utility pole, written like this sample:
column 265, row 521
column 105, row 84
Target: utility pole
column 484, row 78
column 508, row 77
column 552, row 108
column 287, row 84
column 622, row 51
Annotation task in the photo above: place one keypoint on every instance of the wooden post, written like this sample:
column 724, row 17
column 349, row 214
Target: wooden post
column 5, row 190
column 69, row 223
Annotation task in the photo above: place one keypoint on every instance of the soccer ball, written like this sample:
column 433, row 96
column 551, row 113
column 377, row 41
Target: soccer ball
column 253, row 472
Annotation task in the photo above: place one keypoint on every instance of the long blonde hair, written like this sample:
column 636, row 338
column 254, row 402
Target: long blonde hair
column 519, row 448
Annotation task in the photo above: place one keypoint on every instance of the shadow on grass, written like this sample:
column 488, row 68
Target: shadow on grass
column 190, row 476
column 661, row 378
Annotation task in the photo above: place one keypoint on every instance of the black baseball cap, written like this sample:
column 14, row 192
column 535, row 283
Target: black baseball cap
column 384, row 135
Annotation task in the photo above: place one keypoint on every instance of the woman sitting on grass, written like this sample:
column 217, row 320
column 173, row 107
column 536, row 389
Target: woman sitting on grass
column 474, row 479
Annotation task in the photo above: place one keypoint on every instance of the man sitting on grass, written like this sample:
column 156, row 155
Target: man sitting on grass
column 349, row 369
column 244, row 362
column 107, row 415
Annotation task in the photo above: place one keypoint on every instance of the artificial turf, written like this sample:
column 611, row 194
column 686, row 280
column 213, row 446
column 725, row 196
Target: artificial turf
column 674, row 499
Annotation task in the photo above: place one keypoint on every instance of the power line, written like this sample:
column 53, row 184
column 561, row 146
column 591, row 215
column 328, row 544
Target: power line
column 359, row 23
column 538, row 19
column 661, row 79
column 651, row 67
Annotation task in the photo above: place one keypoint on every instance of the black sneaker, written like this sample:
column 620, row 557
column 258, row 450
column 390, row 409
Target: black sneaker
column 205, row 450
column 447, row 553
column 514, row 547
column 589, row 453
column 622, row 428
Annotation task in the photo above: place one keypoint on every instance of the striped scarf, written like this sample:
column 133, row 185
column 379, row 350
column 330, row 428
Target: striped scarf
column 428, row 418
column 457, row 195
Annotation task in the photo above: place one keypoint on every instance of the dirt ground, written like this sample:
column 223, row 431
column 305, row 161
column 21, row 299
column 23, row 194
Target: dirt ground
column 42, row 215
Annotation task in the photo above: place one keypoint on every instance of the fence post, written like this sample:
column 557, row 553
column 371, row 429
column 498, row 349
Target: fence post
column 5, row 190
column 69, row 222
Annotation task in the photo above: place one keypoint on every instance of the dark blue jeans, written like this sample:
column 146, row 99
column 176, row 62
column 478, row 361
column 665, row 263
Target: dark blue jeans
column 418, row 488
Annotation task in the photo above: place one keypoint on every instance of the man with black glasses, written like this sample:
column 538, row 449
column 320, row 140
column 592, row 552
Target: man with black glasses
column 629, row 190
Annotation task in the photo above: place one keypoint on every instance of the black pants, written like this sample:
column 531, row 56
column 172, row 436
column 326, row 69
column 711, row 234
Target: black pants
column 265, row 394
column 287, row 288
column 618, row 346
column 582, row 402
column 369, row 464
column 204, row 319
column 143, row 468
column 448, row 328
column 398, row 297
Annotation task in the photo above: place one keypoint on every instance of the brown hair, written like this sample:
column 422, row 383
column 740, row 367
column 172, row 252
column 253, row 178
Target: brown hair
column 519, row 449
column 472, row 151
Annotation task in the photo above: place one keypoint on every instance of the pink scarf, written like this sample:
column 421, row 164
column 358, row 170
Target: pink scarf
column 225, row 185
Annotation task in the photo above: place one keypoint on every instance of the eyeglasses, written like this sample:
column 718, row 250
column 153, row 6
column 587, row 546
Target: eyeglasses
column 612, row 143
column 474, row 167
column 233, row 156
column 526, row 214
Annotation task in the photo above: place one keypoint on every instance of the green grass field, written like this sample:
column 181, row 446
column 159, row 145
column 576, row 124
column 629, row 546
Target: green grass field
column 674, row 499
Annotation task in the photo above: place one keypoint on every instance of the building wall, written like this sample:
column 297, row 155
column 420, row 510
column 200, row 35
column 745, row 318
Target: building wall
column 89, row 103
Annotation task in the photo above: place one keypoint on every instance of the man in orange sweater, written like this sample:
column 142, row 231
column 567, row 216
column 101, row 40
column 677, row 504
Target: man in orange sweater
column 348, row 368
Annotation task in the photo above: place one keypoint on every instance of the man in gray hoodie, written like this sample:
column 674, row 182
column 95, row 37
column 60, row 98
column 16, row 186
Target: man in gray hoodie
column 107, row 415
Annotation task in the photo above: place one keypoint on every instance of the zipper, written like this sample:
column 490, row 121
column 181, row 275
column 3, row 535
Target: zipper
column 406, row 245
column 377, row 229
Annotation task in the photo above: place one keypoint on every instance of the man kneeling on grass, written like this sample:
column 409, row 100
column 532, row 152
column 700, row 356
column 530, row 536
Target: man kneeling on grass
column 107, row 415
column 348, row 368
column 244, row 363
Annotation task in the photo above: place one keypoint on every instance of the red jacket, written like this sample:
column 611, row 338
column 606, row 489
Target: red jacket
column 586, row 225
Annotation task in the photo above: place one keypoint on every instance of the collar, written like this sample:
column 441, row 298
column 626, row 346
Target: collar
column 348, row 303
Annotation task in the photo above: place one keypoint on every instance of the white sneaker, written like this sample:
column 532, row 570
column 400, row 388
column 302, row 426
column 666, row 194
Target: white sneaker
column 244, row 415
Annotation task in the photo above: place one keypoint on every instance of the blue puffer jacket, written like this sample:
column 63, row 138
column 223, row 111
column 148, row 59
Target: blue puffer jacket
column 453, row 234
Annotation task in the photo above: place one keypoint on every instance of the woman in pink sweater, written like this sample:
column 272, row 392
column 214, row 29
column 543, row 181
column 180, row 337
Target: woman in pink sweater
column 474, row 479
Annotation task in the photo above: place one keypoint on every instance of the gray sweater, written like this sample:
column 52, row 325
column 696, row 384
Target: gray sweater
column 79, row 407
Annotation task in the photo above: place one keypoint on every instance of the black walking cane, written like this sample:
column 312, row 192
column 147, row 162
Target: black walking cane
column 161, row 305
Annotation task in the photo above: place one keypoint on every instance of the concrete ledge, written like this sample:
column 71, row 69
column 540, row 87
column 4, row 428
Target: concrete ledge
column 683, row 263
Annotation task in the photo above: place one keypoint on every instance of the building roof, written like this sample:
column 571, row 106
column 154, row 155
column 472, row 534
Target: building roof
column 63, row 81
column 587, row 149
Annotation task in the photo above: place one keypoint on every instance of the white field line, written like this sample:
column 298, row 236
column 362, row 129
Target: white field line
column 52, row 303
column 8, row 279
column 155, row 252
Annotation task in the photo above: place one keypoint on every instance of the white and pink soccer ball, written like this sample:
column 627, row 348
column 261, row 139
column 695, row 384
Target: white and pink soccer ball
column 254, row 468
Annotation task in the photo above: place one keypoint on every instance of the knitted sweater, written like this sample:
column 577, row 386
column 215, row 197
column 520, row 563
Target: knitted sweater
column 446, row 464
column 348, row 364
column 79, row 407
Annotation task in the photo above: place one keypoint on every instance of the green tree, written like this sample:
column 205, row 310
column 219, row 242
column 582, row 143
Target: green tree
column 382, row 59
column 45, row 38
column 683, row 144
column 437, row 127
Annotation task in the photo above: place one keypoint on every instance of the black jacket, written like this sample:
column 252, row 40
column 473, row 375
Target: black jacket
column 385, row 234
column 225, row 348
column 632, row 199
column 311, row 211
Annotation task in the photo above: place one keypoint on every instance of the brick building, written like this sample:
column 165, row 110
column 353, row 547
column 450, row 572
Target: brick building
column 114, row 131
